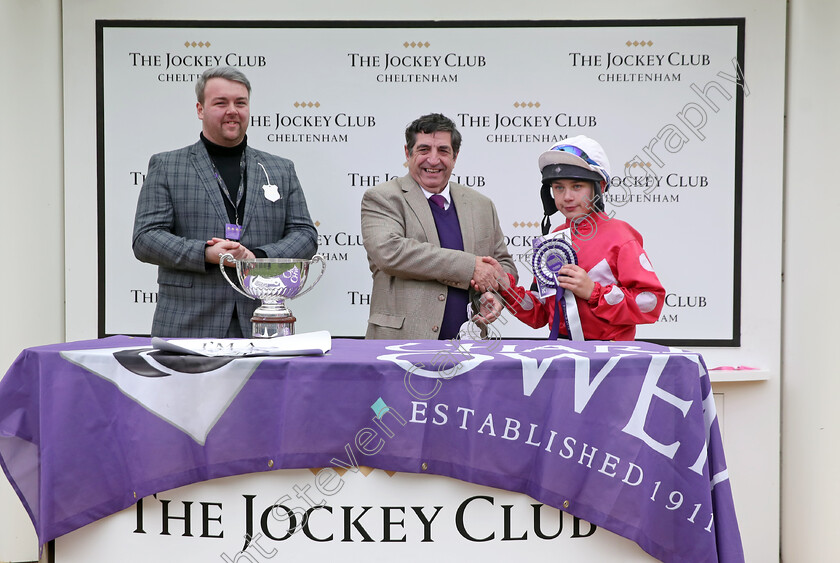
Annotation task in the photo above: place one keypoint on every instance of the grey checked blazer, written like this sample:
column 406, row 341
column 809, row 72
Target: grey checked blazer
column 180, row 208
column 410, row 270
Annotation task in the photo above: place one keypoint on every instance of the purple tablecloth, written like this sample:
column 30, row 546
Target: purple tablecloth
column 624, row 435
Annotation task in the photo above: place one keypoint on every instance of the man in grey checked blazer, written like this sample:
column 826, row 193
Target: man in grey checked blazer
column 185, row 204
column 414, row 277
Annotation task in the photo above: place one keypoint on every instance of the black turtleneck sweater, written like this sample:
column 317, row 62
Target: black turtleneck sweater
column 227, row 161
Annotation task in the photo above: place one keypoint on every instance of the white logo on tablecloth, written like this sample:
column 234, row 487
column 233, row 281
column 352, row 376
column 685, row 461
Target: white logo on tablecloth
column 189, row 393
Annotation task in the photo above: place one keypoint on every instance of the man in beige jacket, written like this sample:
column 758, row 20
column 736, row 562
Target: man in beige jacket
column 425, row 238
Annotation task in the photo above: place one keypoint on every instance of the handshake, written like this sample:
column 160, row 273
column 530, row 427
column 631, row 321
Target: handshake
column 488, row 279
column 489, row 275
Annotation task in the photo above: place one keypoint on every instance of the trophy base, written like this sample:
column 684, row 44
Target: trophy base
column 271, row 327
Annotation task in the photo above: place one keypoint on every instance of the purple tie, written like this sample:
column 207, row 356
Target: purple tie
column 439, row 200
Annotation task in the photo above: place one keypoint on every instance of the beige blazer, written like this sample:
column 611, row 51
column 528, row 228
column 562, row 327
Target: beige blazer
column 410, row 270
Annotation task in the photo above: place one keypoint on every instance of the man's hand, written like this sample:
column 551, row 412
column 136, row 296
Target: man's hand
column 575, row 279
column 484, row 276
column 218, row 246
column 495, row 277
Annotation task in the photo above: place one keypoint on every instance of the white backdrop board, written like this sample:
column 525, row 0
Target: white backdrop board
column 664, row 98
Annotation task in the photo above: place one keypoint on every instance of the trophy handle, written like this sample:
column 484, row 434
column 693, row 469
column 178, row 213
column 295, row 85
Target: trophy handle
column 222, row 258
column 320, row 259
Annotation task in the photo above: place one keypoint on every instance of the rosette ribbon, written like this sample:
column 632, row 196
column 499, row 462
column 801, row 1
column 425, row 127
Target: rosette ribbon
column 551, row 254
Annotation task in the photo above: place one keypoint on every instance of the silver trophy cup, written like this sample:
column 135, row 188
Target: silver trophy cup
column 272, row 281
